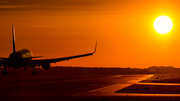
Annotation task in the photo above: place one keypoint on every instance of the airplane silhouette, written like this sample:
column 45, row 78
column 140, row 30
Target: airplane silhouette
column 23, row 58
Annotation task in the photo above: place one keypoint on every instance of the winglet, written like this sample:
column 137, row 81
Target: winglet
column 95, row 48
column 13, row 35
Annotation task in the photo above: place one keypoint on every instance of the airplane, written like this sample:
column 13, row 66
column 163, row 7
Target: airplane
column 23, row 58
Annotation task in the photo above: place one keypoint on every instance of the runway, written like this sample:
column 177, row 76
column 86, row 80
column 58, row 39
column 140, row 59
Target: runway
column 51, row 85
column 26, row 86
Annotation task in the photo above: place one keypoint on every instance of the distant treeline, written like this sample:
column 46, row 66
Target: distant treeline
column 69, row 70
column 116, row 70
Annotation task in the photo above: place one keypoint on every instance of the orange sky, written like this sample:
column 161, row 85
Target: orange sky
column 123, row 29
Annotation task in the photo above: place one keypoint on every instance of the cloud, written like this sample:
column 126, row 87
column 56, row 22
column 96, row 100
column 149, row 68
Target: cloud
column 60, row 7
column 61, row 4
column 40, row 26
column 12, row 6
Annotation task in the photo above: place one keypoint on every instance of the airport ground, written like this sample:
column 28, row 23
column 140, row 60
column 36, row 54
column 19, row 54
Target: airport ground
column 56, row 85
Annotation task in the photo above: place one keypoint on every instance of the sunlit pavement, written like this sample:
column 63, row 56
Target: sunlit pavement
column 101, row 88
column 112, row 90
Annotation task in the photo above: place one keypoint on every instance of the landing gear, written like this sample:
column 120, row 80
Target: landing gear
column 24, row 69
column 33, row 72
column 4, row 72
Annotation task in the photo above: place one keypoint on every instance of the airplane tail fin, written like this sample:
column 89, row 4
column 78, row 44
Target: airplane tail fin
column 13, row 35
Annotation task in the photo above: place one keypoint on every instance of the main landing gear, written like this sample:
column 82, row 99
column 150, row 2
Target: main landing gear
column 4, row 72
column 24, row 69
column 33, row 72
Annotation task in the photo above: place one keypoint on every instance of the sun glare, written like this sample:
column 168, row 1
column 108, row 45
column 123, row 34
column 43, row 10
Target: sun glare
column 163, row 24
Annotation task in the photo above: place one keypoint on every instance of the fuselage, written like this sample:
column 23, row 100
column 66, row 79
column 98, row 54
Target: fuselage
column 17, row 58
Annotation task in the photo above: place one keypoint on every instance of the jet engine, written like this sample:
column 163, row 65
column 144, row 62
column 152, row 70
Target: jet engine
column 46, row 66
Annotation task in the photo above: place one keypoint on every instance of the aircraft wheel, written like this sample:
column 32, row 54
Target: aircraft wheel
column 35, row 72
column 32, row 72
column 5, row 72
column 2, row 72
column 24, row 69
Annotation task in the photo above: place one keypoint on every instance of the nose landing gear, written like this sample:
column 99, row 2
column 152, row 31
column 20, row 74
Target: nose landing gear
column 34, row 71
column 24, row 69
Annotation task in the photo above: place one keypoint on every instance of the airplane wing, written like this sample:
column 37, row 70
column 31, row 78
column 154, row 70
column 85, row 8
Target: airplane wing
column 4, row 62
column 54, row 60
column 58, row 59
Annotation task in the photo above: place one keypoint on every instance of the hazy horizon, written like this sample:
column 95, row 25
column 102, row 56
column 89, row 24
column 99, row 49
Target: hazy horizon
column 123, row 30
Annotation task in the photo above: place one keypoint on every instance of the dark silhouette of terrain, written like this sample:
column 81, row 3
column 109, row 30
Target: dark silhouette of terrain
column 69, row 70
column 116, row 70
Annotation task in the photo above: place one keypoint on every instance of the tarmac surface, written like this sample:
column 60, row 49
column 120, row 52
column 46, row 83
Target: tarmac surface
column 50, row 85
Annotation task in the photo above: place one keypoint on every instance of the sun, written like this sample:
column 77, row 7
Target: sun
column 163, row 24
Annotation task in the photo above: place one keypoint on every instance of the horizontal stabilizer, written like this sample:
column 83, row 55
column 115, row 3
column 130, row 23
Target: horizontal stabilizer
column 3, row 58
column 33, row 57
column 36, row 56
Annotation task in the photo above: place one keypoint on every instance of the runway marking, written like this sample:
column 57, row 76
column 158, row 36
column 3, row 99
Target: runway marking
column 112, row 88
column 135, row 81
column 143, row 94
column 102, row 88
column 109, row 90
column 118, row 76
column 159, row 84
